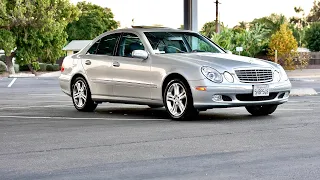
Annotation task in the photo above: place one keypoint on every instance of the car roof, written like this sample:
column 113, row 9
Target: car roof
column 142, row 29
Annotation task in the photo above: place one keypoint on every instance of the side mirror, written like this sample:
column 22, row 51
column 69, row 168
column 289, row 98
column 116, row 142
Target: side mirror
column 228, row 52
column 141, row 54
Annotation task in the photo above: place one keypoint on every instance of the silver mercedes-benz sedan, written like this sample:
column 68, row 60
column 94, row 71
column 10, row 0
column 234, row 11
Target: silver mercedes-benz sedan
column 181, row 70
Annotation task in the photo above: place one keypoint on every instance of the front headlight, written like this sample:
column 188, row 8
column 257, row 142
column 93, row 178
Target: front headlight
column 211, row 74
column 283, row 74
column 228, row 77
column 276, row 76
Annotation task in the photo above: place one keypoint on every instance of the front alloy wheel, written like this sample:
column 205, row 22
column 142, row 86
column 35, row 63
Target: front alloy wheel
column 178, row 101
column 81, row 96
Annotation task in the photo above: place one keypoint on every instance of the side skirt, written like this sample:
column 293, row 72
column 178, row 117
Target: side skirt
column 126, row 100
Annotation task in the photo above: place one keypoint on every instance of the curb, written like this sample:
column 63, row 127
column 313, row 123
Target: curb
column 303, row 92
column 21, row 75
column 303, row 79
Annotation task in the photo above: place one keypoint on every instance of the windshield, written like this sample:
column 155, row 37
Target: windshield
column 180, row 42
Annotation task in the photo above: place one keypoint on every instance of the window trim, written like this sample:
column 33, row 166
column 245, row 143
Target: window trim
column 114, row 49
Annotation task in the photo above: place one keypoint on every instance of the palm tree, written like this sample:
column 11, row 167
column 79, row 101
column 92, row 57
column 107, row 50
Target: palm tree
column 272, row 22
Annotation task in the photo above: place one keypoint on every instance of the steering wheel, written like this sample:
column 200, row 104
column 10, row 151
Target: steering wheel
column 168, row 49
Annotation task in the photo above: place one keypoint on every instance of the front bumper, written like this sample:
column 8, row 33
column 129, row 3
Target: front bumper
column 236, row 94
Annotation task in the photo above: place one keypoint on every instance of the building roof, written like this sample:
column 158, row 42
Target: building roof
column 76, row 45
column 301, row 49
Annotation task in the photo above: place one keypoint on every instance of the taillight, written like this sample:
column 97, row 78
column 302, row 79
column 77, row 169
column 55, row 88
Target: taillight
column 62, row 68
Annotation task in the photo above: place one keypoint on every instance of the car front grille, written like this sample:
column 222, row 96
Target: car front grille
column 254, row 75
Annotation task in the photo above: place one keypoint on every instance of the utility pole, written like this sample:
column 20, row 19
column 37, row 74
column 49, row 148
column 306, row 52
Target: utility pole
column 217, row 15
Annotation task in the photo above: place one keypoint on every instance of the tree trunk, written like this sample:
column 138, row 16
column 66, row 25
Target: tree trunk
column 32, row 70
column 10, row 64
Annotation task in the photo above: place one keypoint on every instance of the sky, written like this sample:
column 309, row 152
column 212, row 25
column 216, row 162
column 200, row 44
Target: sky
column 169, row 13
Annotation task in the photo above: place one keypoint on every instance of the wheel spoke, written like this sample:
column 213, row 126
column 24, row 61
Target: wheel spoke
column 82, row 88
column 176, row 89
column 80, row 103
column 170, row 97
column 174, row 109
column 76, row 95
column 181, row 107
column 182, row 95
column 78, row 85
column 84, row 97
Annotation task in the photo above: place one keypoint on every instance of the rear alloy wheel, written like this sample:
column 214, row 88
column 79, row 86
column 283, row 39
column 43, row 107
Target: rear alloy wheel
column 178, row 101
column 261, row 110
column 81, row 96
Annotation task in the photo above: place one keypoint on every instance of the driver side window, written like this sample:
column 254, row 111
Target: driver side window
column 200, row 46
column 128, row 43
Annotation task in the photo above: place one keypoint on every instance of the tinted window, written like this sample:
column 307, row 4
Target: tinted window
column 93, row 48
column 180, row 42
column 128, row 43
column 107, row 44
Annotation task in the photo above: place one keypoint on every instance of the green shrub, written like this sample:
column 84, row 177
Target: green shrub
column 23, row 68
column 312, row 37
column 56, row 67
column 3, row 58
column 49, row 67
column 43, row 66
column 16, row 68
column 3, row 67
column 35, row 65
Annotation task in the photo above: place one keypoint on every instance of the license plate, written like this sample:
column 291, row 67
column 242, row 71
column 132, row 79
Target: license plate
column 261, row 90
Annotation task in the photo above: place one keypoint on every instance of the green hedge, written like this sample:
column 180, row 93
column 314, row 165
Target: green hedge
column 53, row 67
column 2, row 67
column 49, row 67
column 3, row 58
column 56, row 67
column 43, row 66
column 24, row 68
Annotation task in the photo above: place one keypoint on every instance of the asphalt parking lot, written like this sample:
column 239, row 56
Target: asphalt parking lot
column 44, row 137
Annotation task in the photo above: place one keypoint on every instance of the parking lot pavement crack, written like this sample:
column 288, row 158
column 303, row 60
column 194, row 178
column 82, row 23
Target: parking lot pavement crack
column 156, row 140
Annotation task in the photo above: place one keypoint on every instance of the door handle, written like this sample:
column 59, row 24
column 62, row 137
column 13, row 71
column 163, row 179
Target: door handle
column 88, row 62
column 116, row 64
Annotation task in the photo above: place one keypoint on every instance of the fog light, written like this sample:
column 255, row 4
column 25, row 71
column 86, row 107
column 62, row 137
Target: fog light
column 286, row 95
column 216, row 98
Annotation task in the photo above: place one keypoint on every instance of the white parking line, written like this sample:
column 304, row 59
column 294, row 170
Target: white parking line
column 13, row 80
column 45, row 95
column 79, row 118
column 298, row 110
column 26, row 107
column 66, row 101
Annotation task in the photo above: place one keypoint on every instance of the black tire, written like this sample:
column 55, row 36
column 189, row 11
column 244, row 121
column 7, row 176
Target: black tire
column 155, row 106
column 89, row 105
column 262, row 110
column 189, row 112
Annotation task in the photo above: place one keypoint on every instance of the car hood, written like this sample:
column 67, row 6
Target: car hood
column 221, row 61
